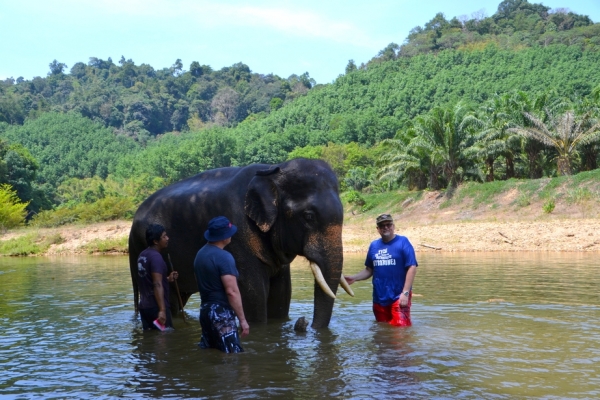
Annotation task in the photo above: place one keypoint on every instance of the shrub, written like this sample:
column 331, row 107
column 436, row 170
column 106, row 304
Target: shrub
column 354, row 197
column 119, row 245
column 579, row 195
column 523, row 200
column 32, row 243
column 548, row 206
column 105, row 209
column 12, row 211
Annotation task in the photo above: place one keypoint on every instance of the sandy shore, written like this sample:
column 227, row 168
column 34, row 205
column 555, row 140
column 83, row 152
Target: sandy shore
column 556, row 235
column 429, row 225
column 578, row 235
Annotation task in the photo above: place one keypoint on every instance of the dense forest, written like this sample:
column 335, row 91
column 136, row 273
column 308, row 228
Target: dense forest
column 514, row 95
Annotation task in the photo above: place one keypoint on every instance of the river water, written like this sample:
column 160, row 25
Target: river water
column 493, row 326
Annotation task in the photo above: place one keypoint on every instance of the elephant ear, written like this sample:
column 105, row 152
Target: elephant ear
column 262, row 199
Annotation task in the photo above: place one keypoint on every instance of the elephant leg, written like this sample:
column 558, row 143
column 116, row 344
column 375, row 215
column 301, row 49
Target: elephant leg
column 174, row 301
column 254, row 290
column 280, row 294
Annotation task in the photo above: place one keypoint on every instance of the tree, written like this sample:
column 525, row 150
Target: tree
column 224, row 106
column 494, row 139
column 447, row 134
column 565, row 133
column 409, row 164
column 390, row 52
column 177, row 68
column 351, row 67
column 196, row 69
column 56, row 68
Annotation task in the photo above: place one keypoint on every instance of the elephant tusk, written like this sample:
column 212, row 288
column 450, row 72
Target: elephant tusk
column 345, row 285
column 320, row 280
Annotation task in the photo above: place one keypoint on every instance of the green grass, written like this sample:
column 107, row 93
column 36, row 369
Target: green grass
column 482, row 193
column 577, row 189
column 29, row 244
column 118, row 245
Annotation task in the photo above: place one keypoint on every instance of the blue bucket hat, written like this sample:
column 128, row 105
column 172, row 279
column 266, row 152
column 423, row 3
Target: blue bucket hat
column 219, row 228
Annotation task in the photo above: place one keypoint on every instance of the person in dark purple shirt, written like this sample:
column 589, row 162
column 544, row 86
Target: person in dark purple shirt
column 392, row 263
column 153, row 280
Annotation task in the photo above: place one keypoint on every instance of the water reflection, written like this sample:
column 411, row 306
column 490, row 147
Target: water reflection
column 485, row 326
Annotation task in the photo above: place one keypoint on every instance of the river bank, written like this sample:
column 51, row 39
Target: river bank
column 430, row 222
column 572, row 235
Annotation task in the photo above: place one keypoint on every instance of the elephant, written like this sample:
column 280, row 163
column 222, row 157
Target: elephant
column 281, row 211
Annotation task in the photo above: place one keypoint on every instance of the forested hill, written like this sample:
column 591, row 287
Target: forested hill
column 516, row 24
column 141, row 102
column 372, row 104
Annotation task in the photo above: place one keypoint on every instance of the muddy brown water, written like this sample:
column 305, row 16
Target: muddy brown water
column 495, row 325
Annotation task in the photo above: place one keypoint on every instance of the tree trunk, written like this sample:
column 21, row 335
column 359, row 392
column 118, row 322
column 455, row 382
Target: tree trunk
column 510, row 167
column 590, row 158
column 489, row 163
column 564, row 166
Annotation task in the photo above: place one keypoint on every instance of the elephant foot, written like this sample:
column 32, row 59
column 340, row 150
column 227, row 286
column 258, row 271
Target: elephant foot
column 301, row 325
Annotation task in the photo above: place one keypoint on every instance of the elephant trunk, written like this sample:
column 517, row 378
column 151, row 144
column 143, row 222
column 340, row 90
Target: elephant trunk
column 325, row 290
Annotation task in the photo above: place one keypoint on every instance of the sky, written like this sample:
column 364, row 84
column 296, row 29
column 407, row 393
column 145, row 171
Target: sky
column 282, row 37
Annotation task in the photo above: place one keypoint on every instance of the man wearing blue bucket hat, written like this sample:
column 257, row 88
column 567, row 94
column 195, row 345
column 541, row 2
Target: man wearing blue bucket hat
column 221, row 302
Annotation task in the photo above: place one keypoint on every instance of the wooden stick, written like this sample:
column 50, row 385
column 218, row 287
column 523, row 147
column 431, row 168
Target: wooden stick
column 431, row 247
column 506, row 238
column 177, row 290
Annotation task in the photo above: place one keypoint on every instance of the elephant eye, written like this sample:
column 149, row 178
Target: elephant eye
column 309, row 216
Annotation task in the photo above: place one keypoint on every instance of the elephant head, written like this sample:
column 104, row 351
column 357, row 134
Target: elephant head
column 297, row 206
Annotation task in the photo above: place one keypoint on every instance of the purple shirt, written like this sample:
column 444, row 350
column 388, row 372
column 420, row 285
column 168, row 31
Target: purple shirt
column 150, row 261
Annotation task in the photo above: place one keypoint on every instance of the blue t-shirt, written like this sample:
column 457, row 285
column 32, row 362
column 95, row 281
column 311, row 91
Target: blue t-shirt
column 389, row 262
column 150, row 261
column 210, row 264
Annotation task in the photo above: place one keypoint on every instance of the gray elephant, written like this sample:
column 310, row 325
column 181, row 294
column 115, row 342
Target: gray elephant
column 281, row 211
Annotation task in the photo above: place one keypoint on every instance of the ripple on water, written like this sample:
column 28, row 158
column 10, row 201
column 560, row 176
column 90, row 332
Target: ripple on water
column 76, row 337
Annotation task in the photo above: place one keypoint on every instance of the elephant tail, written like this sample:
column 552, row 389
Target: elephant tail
column 133, row 270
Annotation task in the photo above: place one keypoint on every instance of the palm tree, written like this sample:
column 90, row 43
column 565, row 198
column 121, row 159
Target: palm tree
column 409, row 164
column 435, row 149
column 494, row 139
column 565, row 133
column 447, row 134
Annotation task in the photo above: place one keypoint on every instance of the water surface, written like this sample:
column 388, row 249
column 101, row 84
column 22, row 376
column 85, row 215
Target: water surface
column 497, row 325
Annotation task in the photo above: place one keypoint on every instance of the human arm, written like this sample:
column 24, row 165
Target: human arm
column 159, row 295
column 235, row 300
column 173, row 276
column 410, row 277
column 361, row 276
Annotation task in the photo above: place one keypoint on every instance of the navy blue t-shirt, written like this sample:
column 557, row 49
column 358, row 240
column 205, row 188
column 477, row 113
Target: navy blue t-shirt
column 210, row 264
column 390, row 262
column 150, row 261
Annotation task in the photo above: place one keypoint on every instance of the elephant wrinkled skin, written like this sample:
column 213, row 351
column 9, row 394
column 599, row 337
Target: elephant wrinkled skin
column 281, row 211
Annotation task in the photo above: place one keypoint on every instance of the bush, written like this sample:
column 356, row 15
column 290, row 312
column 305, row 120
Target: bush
column 106, row 209
column 119, row 245
column 523, row 200
column 12, row 211
column 32, row 243
column 354, row 197
column 548, row 206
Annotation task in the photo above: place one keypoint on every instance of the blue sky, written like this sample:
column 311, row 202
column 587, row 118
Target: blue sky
column 281, row 37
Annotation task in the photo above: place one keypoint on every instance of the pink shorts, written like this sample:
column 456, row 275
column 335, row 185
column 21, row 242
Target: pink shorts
column 394, row 314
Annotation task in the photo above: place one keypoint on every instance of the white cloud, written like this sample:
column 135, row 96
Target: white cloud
column 287, row 21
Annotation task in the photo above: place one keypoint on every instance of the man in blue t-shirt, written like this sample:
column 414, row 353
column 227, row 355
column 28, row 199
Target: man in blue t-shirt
column 392, row 263
column 153, row 280
column 216, row 276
